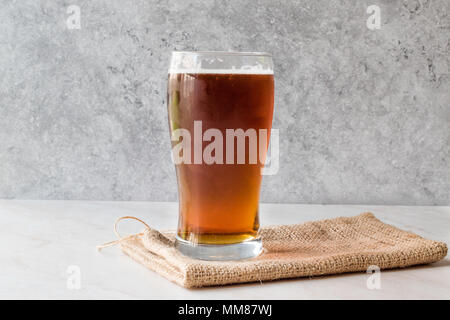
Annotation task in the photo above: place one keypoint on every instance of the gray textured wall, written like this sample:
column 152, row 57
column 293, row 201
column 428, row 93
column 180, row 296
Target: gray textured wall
column 364, row 115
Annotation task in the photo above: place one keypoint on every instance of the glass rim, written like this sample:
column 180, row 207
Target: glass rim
column 226, row 53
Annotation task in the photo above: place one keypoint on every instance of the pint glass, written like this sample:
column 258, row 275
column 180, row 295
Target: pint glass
column 220, row 107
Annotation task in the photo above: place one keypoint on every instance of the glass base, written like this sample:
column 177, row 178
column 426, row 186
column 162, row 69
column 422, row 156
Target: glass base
column 220, row 252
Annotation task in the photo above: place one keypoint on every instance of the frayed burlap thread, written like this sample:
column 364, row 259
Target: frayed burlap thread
column 311, row 249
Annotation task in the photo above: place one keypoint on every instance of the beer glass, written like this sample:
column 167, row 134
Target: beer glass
column 220, row 107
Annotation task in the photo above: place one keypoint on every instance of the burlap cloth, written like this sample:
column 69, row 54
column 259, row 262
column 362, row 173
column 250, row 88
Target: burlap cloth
column 302, row 250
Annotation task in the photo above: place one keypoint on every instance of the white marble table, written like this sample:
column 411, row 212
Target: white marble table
column 40, row 240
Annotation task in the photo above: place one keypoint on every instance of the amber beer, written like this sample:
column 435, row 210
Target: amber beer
column 219, row 202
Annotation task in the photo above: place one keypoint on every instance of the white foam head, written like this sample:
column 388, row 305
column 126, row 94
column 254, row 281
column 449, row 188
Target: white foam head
column 221, row 63
column 220, row 71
